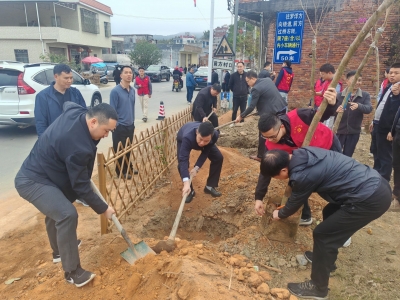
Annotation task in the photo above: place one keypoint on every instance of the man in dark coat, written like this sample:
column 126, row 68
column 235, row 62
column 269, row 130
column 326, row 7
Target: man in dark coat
column 205, row 103
column 199, row 136
column 214, row 77
column 240, row 90
column 58, row 171
column 356, row 196
column 266, row 72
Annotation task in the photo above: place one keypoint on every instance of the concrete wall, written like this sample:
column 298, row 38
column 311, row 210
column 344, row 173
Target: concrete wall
column 34, row 48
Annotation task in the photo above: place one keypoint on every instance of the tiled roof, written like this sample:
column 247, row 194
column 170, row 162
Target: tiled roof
column 98, row 5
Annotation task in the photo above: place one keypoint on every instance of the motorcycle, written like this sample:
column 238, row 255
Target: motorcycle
column 103, row 79
column 177, row 85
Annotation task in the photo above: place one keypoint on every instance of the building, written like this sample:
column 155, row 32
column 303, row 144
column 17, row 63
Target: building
column 185, row 39
column 219, row 33
column 179, row 55
column 129, row 40
column 75, row 29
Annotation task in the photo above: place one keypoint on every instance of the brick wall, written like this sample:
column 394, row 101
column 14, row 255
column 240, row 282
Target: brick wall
column 339, row 30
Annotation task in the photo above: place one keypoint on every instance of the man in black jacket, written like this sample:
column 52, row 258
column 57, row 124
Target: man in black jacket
column 225, row 83
column 58, row 171
column 199, row 136
column 382, row 124
column 214, row 77
column 356, row 193
column 240, row 90
column 266, row 72
column 359, row 104
column 205, row 102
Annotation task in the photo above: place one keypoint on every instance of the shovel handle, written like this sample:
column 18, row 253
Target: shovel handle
column 231, row 122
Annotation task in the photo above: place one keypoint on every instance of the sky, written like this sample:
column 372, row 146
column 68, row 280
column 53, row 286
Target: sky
column 165, row 17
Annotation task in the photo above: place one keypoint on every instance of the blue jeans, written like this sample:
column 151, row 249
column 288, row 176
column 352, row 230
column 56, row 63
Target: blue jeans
column 189, row 93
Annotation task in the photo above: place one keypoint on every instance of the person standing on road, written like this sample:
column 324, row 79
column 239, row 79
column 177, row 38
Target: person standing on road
column 117, row 74
column 266, row 97
column 205, row 103
column 240, row 90
column 50, row 101
column 179, row 73
column 266, row 72
column 144, row 91
column 201, row 137
column 225, row 83
column 190, row 85
column 58, row 170
column 285, row 79
column 356, row 195
column 122, row 99
column 214, row 77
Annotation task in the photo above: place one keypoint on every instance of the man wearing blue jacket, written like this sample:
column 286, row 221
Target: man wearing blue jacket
column 201, row 137
column 49, row 102
column 58, row 170
column 356, row 196
column 190, row 85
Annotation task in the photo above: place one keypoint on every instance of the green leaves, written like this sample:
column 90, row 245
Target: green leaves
column 145, row 54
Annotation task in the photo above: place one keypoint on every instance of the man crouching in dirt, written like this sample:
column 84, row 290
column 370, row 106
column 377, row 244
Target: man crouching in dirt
column 356, row 193
column 199, row 136
column 58, row 171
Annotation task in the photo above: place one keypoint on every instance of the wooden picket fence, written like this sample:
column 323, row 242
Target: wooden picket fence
column 151, row 153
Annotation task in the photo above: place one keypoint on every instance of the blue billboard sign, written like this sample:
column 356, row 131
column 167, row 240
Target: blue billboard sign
column 289, row 36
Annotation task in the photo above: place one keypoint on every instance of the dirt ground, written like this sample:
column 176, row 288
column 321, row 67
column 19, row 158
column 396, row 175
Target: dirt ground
column 221, row 251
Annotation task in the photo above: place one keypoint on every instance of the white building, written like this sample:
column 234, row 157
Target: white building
column 73, row 28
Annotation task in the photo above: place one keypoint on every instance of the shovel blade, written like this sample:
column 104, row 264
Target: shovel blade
column 141, row 250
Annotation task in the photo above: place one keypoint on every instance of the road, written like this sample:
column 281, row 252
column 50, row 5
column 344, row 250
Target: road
column 16, row 143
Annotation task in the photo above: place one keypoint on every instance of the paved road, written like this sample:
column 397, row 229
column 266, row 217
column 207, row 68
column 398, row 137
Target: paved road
column 16, row 143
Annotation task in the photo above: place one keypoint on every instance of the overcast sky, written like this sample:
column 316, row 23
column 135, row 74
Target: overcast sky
column 165, row 17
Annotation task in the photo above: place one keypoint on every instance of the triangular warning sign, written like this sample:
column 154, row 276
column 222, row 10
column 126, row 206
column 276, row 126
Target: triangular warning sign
column 224, row 49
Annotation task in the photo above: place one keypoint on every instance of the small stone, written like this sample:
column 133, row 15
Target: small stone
column 97, row 280
column 302, row 267
column 249, row 265
column 226, row 253
column 281, row 262
column 254, row 280
column 301, row 260
column 184, row 251
column 240, row 276
column 293, row 297
column 357, row 279
column 199, row 246
column 263, row 288
column 265, row 275
column 369, row 231
column 243, row 133
column 280, row 293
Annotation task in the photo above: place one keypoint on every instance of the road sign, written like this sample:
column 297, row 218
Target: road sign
column 222, row 64
column 224, row 49
column 289, row 36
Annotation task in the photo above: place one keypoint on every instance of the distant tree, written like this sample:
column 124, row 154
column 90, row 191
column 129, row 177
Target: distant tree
column 247, row 40
column 206, row 34
column 145, row 54
column 60, row 59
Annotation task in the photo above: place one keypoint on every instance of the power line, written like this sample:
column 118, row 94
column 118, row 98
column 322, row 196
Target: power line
column 171, row 19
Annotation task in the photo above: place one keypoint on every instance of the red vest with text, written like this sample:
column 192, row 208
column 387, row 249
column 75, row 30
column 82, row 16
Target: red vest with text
column 144, row 90
column 322, row 138
column 286, row 81
column 322, row 86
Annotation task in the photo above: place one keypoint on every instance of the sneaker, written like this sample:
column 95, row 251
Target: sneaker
column 305, row 222
column 189, row 103
column 83, row 202
column 79, row 277
column 347, row 243
column 144, row 120
column 309, row 256
column 57, row 257
column 307, row 290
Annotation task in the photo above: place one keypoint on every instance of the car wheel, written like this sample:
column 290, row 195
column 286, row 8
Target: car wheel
column 168, row 77
column 159, row 78
column 96, row 100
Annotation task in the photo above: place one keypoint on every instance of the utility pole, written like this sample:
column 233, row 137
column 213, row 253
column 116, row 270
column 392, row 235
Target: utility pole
column 235, row 32
column 260, row 64
column 210, row 44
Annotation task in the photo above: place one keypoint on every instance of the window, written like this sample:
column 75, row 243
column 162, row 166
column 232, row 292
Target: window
column 77, row 79
column 21, row 55
column 55, row 22
column 90, row 21
column 49, row 76
column 107, row 29
column 41, row 78
column 9, row 77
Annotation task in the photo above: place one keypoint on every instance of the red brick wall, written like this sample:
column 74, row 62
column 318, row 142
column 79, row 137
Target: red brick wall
column 339, row 30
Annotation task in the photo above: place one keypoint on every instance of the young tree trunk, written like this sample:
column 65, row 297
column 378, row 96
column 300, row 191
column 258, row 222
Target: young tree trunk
column 313, row 63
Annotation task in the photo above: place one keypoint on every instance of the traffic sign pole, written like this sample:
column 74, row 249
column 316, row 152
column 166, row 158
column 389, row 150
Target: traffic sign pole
column 210, row 44
column 235, row 33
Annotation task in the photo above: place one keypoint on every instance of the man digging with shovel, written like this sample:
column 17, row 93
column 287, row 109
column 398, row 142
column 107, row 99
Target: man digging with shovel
column 58, row 171
column 356, row 195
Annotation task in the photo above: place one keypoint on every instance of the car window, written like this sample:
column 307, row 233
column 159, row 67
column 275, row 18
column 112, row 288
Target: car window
column 9, row 77
column 202, row 72
column 49, row 76
column 41, row 78
column 77, row 79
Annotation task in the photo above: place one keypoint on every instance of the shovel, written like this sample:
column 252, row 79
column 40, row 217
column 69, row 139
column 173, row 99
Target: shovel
column 169, row 244
column 134, row 251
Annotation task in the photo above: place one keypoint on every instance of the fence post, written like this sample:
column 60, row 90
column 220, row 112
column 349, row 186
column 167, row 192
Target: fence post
column 165, row 146
column 102, row 187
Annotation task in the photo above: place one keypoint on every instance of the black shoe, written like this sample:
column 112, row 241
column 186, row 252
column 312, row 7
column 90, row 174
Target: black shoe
column 57, row 257
column 127, row 176
column 309, row 256
column 213, row 192
column 189, row 197
column 307, row 290
column 79, row 277
column 144, row 120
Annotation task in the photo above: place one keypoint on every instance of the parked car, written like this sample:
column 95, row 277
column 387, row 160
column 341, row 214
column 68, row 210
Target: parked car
column 158, row 72
column 201, row 77
column 20, row 83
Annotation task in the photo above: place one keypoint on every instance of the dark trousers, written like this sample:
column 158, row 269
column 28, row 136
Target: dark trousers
column 216, row 159
column 238, row 102
column 396, row 165
column 117, row 81
column 340, row 223
column 189, row 93
column 349, row 143
column 61, row 218
column 382, row 153
column 213, row 119
column 261, row 145
column 120, row 134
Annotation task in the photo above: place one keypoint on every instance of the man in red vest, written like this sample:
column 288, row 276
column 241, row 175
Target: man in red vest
column 287, row 132
column 144, row 91
column 285, row 79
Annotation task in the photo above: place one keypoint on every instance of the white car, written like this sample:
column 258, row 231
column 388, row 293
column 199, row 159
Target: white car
column 20, row 83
